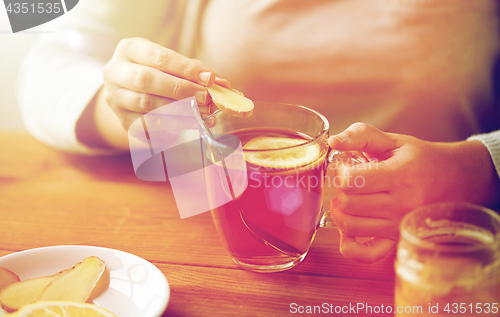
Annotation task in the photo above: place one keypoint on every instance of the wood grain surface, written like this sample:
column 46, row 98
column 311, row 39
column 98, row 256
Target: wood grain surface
column 52, row 198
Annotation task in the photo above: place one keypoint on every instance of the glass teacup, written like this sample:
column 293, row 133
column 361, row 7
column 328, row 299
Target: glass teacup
column 270, row 225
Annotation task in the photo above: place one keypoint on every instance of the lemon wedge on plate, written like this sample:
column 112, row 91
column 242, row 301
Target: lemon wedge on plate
column 62, row 309
column 285, row 156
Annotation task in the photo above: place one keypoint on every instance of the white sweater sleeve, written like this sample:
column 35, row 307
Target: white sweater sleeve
column 492, row 143
column 63, row 70
column 60, row 76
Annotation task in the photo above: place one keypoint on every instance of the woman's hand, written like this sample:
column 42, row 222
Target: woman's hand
column 403, row 173
column 142, row 76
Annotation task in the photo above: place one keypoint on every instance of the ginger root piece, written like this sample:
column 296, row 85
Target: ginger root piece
column 231, row 101
column 73, row 284
column 100, row 286
column 76, row 284
column 7, row 278
column 24, row 292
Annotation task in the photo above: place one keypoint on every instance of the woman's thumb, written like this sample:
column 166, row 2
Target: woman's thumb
column 363, row 137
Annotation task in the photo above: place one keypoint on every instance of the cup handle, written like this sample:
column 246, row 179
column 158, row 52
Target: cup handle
column 326, row 220
column 337, row 157
column 363, row 245
column 349, row 157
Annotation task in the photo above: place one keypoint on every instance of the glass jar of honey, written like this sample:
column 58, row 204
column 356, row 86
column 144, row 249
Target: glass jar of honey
column 448, row 262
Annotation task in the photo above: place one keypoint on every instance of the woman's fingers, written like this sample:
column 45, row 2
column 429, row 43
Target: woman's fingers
column 367, row 252
column 144, row 103
column 363, row 137
column 135, row 101
column 207, row 110
column 144, row 52
column 143, row 76
column 365, row 177
column 363, row 226
column 383, row 231
column 222, row 82
column 151, row 81
column 377, row 205
column 163, row 122
column 357, row 226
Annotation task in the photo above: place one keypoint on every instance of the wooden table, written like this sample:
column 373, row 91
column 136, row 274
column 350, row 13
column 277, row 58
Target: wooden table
column 51, row 198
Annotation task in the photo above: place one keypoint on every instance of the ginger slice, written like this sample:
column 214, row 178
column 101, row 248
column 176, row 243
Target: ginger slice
column 7, row 278
column 77, row 283
column 21, row 293
column 231, row 101
column 73, row 284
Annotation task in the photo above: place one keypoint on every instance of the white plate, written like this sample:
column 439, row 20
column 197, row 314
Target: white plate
column 136, row 288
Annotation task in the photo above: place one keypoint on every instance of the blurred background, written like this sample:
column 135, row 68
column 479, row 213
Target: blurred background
column 13, row 48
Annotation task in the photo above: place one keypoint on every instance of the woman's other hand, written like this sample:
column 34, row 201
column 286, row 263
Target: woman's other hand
column 403, row 173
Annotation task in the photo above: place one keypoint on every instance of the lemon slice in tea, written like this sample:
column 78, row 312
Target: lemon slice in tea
column 284, row 158
column 62, row 309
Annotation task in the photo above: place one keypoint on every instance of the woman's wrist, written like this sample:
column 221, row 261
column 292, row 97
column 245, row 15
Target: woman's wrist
column 98, row 127
column 108, row 126
column 475, row 179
